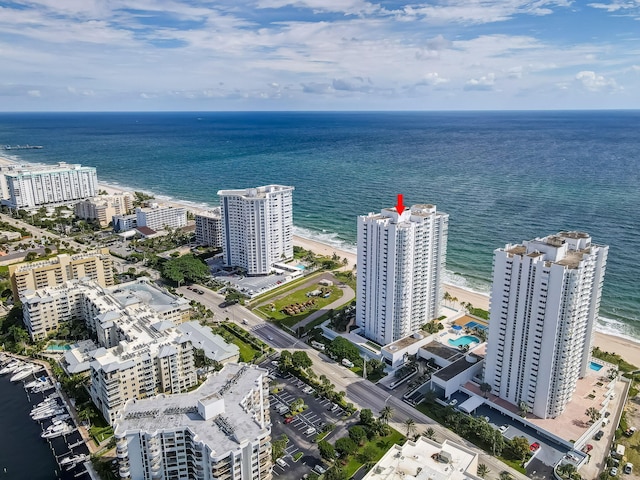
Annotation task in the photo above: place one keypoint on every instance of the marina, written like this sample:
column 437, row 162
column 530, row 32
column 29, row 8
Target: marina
column 39, row 418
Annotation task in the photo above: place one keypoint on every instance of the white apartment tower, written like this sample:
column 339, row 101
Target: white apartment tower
column 159, row 217
column 544, row 303
column 35, row 185
column 401, row 262
column 257, row 225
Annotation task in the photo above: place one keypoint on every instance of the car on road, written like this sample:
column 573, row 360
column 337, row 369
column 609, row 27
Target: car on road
column 613, row 472
column 245, row 321
column 598, row 435
column 269, row 337
column 288, row 420
column 534, row 446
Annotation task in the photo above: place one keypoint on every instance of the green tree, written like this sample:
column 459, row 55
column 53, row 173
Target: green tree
column 366, row 417
column 483, row 470
column 301, row 359
column 485, row 388
column 410, row 426
column 345, row 446
column 593, row 414
column 335, row 473
column 358, row 434
column 504, row 475
column 430, row 433
column 520, row 447
column 385, row 414
column 285, row 362
column 367, row 454
column 326, row 450
column 186, row 267
column 340, row 348
column 278, row 446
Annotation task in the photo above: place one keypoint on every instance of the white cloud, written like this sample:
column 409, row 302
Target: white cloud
column 596, row 83
column 485, row 82
column 34, row 93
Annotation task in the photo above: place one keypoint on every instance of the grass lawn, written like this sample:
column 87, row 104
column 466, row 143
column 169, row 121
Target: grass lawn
column 100, row 434
column 246, row 351
column 298, row 296
column 381, row 446
column 632, row 449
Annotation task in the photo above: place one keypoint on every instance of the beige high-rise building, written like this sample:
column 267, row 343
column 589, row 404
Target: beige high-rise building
column 219, row 431
column 103, row 207
column 96, row 265
column 209, row 228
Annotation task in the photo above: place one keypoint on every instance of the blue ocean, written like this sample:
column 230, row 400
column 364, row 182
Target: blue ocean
column 503, row 177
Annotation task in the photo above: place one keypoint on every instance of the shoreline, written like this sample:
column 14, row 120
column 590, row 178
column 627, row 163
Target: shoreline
column 627, row 348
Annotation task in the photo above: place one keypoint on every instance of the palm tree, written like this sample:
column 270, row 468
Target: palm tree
column 410, row 425
column 385, row 414
column 483, row 470
column 430, row 433
column 504, row 475
column 485, row 388
column 593, row 414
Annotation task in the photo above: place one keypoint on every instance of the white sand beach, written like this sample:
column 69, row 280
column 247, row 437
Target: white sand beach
column 628, row 349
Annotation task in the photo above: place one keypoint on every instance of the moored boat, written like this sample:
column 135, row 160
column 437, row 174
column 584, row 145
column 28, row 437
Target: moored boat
column 73, row 460
column 11, row 367
column 48, row 413
column 30, row 369
column 57, row 429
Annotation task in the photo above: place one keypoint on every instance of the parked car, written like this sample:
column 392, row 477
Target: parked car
column 503, row 428
column 319, row 469
column 310, row 431
column 453, row 402
column 630, row 431
column 628, row 468
column 588, row 447
column 281, row 462
column 614, row 471
column 288, row 420
column 598, row 435
column 534, row 446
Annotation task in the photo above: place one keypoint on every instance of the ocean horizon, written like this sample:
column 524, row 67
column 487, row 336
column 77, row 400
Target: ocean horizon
column 503, row 177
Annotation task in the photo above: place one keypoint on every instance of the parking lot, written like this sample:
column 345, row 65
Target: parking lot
column 303, row 429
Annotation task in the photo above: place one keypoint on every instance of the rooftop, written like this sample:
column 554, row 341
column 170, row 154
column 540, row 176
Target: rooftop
column 233, row 423
column 457, row 367
column 142, row 291
column 425, row 459
column 406, row 341
column 255, row 192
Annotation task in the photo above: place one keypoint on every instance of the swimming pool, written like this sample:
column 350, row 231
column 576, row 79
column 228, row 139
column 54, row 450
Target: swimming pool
column 301, row 267
column 595, row 366
column 463, row 340
column 472, row 325
column 58, row 348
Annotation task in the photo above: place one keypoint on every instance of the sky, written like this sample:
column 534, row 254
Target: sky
column 198, row 55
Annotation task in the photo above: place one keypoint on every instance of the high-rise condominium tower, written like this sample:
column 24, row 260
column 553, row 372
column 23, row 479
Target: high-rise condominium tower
column 544, row 303
column 257, row 225
column 401, row 261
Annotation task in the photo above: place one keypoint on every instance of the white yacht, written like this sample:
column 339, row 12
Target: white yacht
column 35, row 382
column 48, row 413
column 11, row 366
column 42, row 387
column 29, row 369
column 73, row 460
column 57, row 429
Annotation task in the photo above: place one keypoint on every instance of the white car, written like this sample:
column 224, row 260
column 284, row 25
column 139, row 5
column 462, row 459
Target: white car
column 503, row 428
column 310, row 431
column 453, row 402
column 613, row 472
column 281, row 462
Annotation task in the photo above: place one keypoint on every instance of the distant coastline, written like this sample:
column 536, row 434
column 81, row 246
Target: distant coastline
column 326, row 242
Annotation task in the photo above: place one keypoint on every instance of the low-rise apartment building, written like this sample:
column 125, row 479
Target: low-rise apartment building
column 103, row 207
column 96, row 266
column 159, row 217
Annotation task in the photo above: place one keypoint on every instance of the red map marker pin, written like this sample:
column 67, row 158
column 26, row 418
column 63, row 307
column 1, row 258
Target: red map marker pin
column 400, row 205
